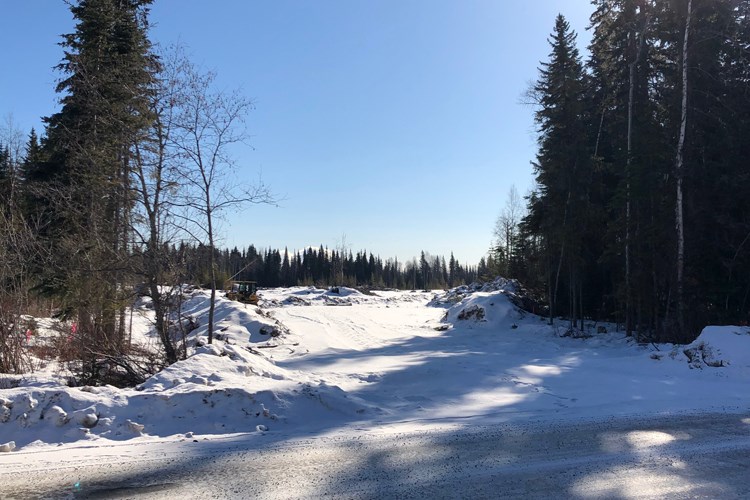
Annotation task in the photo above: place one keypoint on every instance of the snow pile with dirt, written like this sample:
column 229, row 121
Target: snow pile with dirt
column 488, row 310
column 332, row 296
column 470, row 356
column 457, row 294
column 306, row 296
column 234, row 322
column 721, row 347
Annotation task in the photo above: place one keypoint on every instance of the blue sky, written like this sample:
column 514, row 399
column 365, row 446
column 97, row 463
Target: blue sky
column 395, row 122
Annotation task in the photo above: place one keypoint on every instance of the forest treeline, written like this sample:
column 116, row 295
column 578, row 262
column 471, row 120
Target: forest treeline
column 324, row 267
column 640, row 210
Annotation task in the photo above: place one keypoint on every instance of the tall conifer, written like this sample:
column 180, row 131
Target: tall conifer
column 559, row 210
column 107, row 71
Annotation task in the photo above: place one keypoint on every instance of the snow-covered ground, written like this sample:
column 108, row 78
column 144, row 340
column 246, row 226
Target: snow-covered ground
column 310, row 363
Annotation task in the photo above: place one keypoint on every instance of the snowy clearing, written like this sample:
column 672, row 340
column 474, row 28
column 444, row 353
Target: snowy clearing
column 422, row 388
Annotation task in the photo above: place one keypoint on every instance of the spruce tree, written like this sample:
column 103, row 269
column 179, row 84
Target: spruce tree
column 108, row 74
column 559, row 210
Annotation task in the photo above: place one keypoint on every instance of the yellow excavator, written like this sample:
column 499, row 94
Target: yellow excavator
column 242, row 291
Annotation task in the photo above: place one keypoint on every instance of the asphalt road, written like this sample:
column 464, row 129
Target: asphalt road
column 704, row 456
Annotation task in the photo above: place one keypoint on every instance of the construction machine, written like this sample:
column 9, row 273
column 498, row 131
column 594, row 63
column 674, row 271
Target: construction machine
column 242, row 291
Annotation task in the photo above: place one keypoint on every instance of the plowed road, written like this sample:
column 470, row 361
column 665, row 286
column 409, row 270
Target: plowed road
column 705, row 456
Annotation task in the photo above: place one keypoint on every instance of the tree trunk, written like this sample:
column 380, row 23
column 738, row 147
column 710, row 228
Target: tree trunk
column 550, row 296
column 212, row 261
column 628, row 286
column 162, row 327
column 679, row 174
column 636, row 52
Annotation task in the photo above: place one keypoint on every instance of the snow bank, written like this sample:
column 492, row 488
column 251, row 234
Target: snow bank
column 229, row 386
column 234, row 322
column 489, row 310
column 721, row 347
column 306, row 296
column 221, row 389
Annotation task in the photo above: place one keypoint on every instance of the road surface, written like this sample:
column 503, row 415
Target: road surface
column 698, row 456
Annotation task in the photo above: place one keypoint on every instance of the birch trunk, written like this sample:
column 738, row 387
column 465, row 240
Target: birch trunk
column 679, row 173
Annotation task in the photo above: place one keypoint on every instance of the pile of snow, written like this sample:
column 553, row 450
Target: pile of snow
column 511, row 288
column 459, row 293
column 335, row 296
column 220, row 389
column 234, row 322
column 306, row 296
column 491, row 306
column 721, row 347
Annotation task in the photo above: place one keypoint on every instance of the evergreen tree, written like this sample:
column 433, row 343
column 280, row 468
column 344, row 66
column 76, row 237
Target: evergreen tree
column 562, row 169
column 286, row 271
column 108, row 72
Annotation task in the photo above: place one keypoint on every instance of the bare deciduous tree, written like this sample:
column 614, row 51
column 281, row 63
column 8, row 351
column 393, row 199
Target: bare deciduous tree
column 506, row 227
column 12, row 140
column 16, row 247
column 155, row 182
column 343, row 248
column 209, row 123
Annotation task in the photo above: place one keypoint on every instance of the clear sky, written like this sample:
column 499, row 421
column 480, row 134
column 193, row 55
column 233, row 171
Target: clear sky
column 396, row 122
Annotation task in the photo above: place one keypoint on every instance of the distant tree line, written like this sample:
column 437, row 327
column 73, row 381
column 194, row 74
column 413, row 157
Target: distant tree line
column 324, row 267
column 640, row 211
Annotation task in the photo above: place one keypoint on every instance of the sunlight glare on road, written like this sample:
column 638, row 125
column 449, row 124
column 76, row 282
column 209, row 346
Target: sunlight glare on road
column 632, row 482
column 635, row 441
column 648, row 439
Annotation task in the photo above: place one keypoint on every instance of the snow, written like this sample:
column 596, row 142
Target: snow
column 391, row 361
